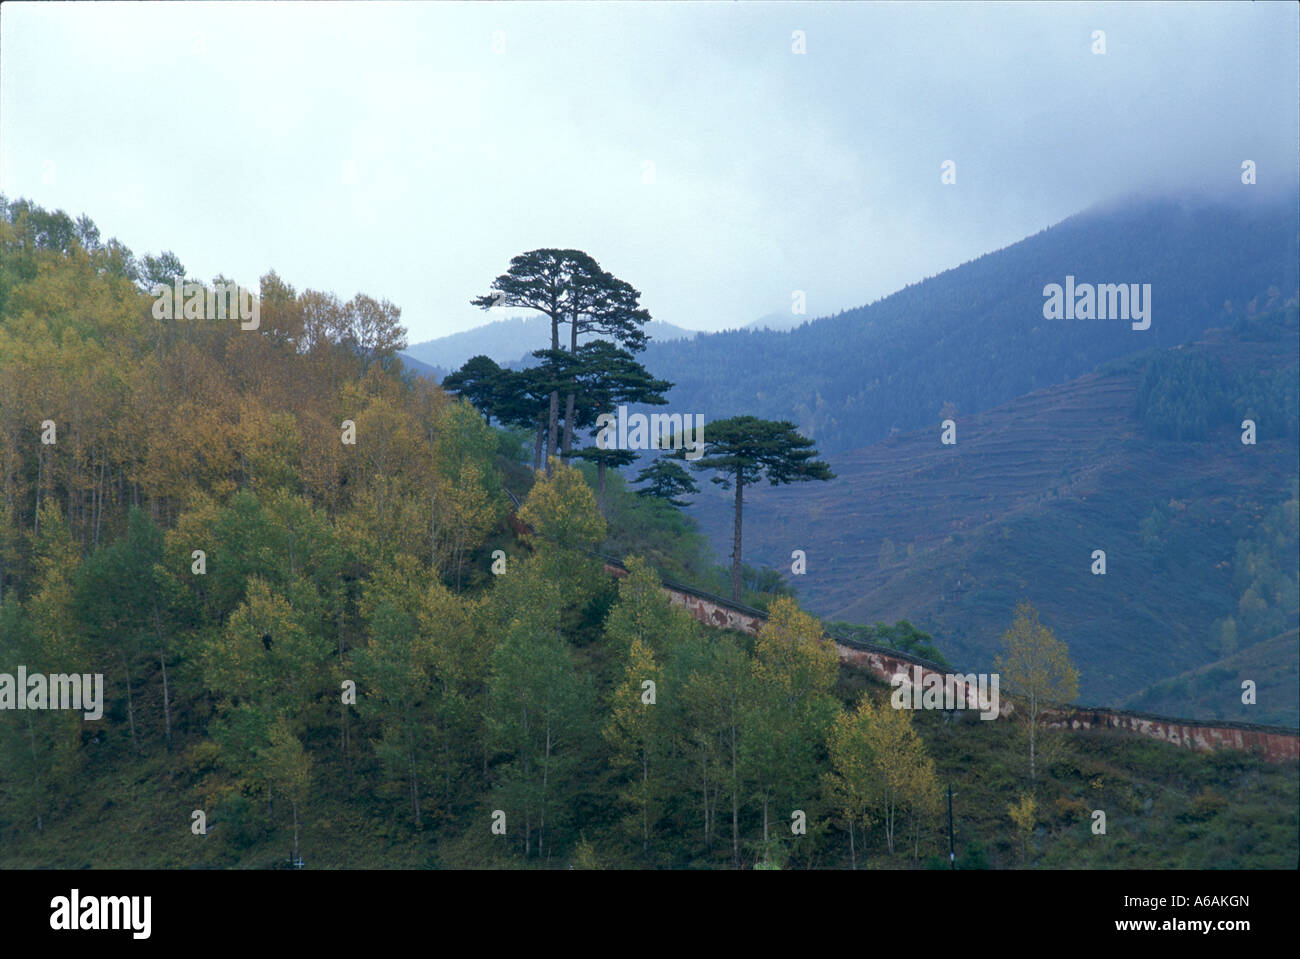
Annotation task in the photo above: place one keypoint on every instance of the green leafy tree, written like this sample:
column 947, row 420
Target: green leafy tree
column 538, row 714
column 121, row 602
column 161, row 270
column 644, row 630
column 40, row 756
column 644, row 613
column 266, row 663
column 463, row 633
column 634, row 733
column 790, row 710
column 713, row 676
column 901, row 636
column 289, row 768
column 394, row 670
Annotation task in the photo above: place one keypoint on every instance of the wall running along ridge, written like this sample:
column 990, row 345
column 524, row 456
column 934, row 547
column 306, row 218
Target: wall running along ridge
column 1272, row 743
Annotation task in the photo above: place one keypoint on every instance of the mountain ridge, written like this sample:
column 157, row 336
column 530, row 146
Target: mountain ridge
column 509, row 341
column 975, row 336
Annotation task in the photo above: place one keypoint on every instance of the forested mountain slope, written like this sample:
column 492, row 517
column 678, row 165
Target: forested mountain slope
column 975, row 336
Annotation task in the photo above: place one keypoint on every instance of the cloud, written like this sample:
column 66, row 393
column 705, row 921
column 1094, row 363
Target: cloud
column 400, row 150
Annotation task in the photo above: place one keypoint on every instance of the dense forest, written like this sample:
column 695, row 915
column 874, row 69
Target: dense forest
column 326, row 636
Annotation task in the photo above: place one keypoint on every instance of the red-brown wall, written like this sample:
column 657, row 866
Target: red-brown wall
column 1273, row 744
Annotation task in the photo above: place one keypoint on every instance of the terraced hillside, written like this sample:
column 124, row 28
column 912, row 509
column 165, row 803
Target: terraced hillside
column 951, row 537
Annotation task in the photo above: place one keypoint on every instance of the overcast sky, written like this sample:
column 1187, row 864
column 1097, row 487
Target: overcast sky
column 409, row 150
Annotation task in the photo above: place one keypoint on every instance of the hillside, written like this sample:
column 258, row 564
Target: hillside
column 1169, row 808
column 435, row 373
column 975, row 335
column 324, row 631
column 1271, row 664
column 950, row 537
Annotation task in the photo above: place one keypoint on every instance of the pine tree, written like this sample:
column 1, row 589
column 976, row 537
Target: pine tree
column 744, row 449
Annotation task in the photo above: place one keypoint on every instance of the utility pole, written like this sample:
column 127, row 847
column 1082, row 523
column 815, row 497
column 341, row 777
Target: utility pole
column 952, row 855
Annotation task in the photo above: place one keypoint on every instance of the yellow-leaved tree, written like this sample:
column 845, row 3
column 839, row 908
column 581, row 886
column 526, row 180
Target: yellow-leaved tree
column 561, row 509
column 1036, row 672
column 848, row 785
column 289, row 768
column 790, row 708
column 1023, row 814
column 904, row 779
column 635, row 732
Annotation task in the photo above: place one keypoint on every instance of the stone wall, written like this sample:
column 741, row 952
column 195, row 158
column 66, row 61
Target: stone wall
column 1272, row 743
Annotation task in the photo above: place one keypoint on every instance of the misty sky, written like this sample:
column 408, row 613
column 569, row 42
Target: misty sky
column 394, row 149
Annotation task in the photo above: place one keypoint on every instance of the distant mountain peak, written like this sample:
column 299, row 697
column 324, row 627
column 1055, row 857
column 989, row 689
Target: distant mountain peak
column 510, row 339
column 778, row 321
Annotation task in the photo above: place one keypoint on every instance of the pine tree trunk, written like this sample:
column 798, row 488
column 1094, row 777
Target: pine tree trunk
column 570, row 398
column 568, row 427
column 553, row 413
column 552, row 424
column 735, row 541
